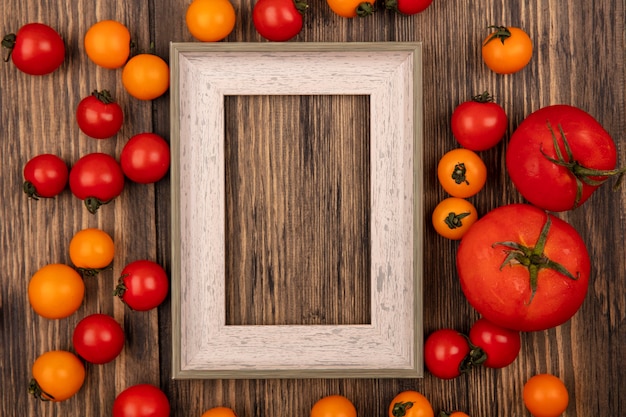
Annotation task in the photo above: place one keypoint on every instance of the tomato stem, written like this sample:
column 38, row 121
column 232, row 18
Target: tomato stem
column 9, row 42
column 92, row 272
column 93, row 204
column 582, row 174
column 30, row 190
column 301, row 6
column 365, row 9
column 399, row 409
column 533, row 258
column 453, row 220
column 501, row 33
column 483, row 97
column 104, row 96
column 35, row 389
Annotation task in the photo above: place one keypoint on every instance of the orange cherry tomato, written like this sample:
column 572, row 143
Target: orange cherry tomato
column 352, row 8
column 410, row 404
column 453, row 414
column 462, row 173
column 146, row 76
column 219, row 412
column 507, row 49
column 210, row 20
column 453, row 216
column 107, row 44
column 91, row 250
column 57, row 376
column 333, row 406
column 545, row 395
column 56, row 291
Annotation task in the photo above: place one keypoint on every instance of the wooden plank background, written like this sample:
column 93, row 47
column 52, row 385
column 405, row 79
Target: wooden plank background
column 579, row 59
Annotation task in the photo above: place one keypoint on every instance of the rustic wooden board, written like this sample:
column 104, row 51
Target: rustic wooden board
column 579, row 59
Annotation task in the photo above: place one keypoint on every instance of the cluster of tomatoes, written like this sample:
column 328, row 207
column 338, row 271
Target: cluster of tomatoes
column 520, row 266
column 280, row 20
column 57, row 290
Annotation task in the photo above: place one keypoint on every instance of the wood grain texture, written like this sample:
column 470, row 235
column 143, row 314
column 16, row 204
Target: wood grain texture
column 579, row 59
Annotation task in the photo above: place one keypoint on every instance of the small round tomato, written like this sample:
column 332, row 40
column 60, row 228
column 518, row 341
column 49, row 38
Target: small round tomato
column 91, row 250
column 453, row 216
column 446, row 353
column 36, row 49
column 96, row 178
column 522, row 268
column 146, row 76
column 462, row 173
column 141, row 400
column 545, row 395
column 501, row 346
column 219, row 412
column 56, row 291
column 453, row 414
column 210, row 20
column 99, row 116
column 410, row 404
column 45, row 176
column 57, row 376
column 480, row 123
column 507, row 49
column 352, row 8
column 407, row 7
column 145, row 158
column 107, row 44
column 333, row 406
column 98, row 338
column 278, row 20
column 143, row 285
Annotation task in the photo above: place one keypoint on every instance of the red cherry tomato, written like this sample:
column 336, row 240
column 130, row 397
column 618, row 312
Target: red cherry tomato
column 99, row 116
column 278, row 20
column 480, row 123
column 96, row 178
column 45, row 176
column 145, row 158
column 35, row 49
column 98, row 338
column 143, row 285
column 445, row 353
column 407, row 7
column 501, row 346
column 141, row 400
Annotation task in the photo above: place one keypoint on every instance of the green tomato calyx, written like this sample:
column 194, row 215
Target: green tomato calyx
column 501, row 33
column 399, row 409
column 453, row 220
column 583, row 175
column 533, row 258
column 365, row 9
column 35, row 390
column 104, row 96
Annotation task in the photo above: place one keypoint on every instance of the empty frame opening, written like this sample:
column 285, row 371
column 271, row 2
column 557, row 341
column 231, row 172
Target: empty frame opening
column 297, row 205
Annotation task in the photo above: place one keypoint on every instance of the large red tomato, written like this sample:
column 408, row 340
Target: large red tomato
column 141, row 400
column 558, row 156
column 523, row 269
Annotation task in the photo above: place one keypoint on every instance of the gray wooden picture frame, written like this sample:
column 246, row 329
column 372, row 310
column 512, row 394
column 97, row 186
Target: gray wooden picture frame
column 203, row 346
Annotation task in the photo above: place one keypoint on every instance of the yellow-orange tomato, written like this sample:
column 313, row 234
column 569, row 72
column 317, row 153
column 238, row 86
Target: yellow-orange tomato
column 545, row 395
column 462, row 173
column 352, row 8
column 219, row 412
column 410, row 404
column 210, row 20
column 146, row 76
column 107, row 44
column 507, row 49
column 56, row 291
column 92, row 249
column 453, row 216
column 457, row 414
column 57, row 376
column 333, row 406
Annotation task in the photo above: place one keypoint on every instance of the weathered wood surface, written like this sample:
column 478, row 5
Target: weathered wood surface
column 579, row 59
